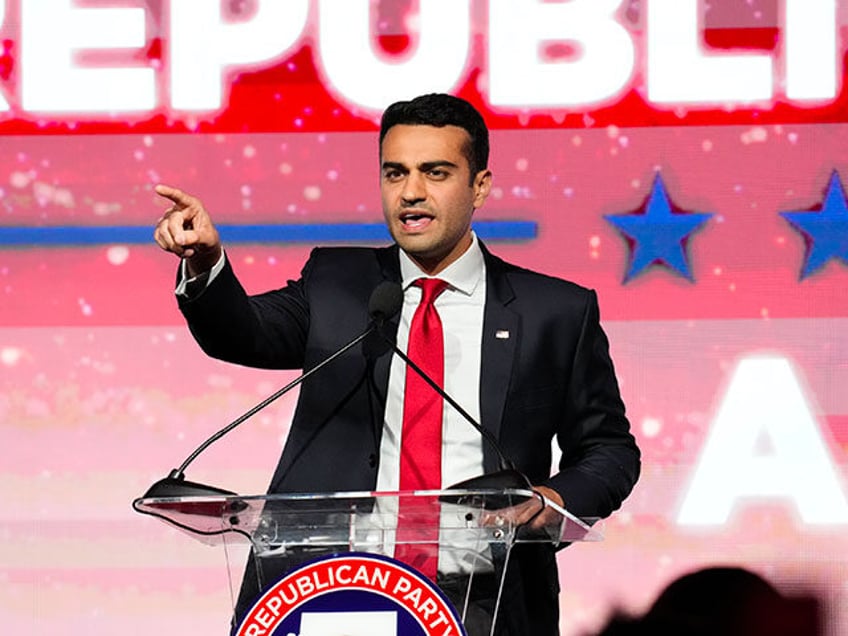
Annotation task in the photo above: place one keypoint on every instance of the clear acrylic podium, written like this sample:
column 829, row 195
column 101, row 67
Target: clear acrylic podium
column 477, row 530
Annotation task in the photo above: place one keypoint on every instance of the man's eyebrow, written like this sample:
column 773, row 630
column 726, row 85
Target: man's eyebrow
column 393, row 165
column 429, row 165
column 423, row 167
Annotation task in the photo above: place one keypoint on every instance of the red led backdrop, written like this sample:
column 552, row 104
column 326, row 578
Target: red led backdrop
column 687, row 159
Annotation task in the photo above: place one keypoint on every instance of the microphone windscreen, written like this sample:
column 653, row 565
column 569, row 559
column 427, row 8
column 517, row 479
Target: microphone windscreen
column 385, row 301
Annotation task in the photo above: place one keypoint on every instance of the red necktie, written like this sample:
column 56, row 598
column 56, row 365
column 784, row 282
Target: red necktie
column 421, row 435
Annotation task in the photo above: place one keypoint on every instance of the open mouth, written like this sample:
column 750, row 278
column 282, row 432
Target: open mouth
column 415, row 220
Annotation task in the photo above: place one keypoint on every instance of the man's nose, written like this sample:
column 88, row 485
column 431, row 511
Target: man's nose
column 414, row 189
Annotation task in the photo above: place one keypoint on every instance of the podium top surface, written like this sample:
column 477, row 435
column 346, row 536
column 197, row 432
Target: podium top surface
column 358, row 520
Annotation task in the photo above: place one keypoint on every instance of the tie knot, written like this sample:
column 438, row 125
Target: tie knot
column 430, row 289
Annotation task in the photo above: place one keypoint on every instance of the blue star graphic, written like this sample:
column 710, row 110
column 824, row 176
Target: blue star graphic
column 825, row 231
column 658, row 234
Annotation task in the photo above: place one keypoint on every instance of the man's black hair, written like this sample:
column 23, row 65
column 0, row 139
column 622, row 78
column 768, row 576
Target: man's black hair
column 439, row 109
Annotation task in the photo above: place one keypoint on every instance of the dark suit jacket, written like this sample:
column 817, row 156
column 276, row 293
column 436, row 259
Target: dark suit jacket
column 552, row 377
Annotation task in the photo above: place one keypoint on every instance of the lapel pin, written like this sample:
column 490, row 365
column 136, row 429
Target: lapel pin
column 502, row 334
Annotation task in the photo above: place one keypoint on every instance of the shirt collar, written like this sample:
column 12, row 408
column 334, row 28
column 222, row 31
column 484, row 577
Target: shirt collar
column 464, row 274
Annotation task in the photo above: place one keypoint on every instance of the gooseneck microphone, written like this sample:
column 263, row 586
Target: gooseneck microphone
column 385, row 301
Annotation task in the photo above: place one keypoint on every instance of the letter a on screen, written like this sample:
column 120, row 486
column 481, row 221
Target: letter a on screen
column 764, row 444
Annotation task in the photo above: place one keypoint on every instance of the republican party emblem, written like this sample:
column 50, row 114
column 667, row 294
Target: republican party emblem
column 354, row 594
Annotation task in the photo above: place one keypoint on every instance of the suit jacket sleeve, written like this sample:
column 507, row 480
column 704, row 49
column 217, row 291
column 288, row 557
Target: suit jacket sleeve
column 339, row 411
column 600, row 461
column 267, row 330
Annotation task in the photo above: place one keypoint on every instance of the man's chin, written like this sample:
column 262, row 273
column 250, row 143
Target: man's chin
column 423, row 255
column 416, row 245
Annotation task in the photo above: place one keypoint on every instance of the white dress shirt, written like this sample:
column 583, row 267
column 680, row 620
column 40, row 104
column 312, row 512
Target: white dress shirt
column 460, row 308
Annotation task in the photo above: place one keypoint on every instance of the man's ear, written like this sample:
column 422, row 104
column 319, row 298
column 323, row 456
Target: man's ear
column 482, row 187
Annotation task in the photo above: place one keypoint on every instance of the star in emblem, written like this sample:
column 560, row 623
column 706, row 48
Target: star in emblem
column 825, row 231
column 658, row 233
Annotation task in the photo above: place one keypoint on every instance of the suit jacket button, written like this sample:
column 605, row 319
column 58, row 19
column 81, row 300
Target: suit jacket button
column 372, row 460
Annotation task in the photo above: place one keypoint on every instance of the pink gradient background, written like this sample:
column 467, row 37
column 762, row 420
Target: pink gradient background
column 102, row 389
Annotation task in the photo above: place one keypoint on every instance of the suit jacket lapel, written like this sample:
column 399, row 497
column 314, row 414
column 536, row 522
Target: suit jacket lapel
column 500, row 338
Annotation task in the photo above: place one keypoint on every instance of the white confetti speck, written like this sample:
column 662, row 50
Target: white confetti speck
column 117, row 254
column 19, row 179
column 755, row 135
column 10, row 356
column 651, row 426
column 103, row 208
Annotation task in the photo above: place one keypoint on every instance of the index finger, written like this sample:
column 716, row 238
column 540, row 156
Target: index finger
column 174, row 194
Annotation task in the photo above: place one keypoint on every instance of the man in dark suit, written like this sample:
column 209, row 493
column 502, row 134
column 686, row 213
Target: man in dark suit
column 524, row 352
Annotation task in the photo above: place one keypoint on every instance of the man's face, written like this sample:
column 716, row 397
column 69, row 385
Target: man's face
column 428, row 193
